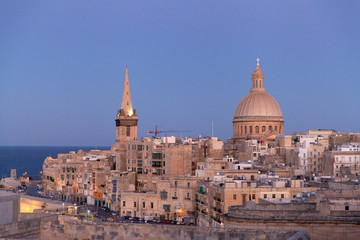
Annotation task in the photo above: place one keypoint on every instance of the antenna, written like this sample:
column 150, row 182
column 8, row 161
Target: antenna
column 212, row 128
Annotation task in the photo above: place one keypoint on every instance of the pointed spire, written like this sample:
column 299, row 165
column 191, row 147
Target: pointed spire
column 126, row 104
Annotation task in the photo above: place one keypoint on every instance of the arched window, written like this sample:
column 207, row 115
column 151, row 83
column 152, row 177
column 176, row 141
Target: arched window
column 257, row 129
column 245, row 130
column 250, row 129
column 256, row 83
column 241, row 130
column 260, row 83
column 263, row 129
column 270, row 128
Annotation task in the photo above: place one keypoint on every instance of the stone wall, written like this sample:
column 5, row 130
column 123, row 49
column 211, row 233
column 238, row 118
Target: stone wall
column 24, row 228
column 67, row 228
column 318, row 230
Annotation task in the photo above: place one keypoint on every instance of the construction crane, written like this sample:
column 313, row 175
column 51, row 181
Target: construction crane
column 156, row 131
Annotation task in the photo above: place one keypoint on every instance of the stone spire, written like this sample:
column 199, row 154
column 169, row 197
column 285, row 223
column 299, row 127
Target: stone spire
column 257, row 79
column 126, row 104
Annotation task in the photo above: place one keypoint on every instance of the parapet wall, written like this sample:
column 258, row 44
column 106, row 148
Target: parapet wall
column 73, row 229
column 21, row 229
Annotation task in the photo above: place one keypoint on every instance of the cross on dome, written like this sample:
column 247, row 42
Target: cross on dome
column 257, row 62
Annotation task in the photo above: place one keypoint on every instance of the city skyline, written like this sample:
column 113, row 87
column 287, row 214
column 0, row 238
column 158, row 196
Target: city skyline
column 63, row 67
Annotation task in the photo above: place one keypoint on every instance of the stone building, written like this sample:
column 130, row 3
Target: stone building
column 214, row 198
column 258, row 115
column 172, row 199
column 342, row 164
column 334, row 214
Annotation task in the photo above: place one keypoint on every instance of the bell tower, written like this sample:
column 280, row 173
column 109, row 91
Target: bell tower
column 126, row 125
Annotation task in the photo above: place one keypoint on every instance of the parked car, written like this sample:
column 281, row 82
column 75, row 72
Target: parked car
column 105, row 209
column 124, row 218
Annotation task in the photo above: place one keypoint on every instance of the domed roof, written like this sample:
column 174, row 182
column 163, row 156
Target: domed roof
column 258, row 104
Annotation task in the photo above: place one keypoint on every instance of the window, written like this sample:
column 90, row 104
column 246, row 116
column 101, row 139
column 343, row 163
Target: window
column 163, row 195
column 114, row 189
column 270, row 128
column 241, row 130
column 253, row 196
column 256, row 83
column 257, row 129
column 187, row 195
column 276, row 128
column 124, row 203
column 265, row 195
column 143, row 204
column 128, row 131
column 263, row 129
column 347, row 208
column 156, row 156
column 245, row 130
column 152, row 205
column 134, row 204
column 250, row 129
column 234, row 196
column 273, row 196
column 282, row 196
column 175, row 183
column 188, row 184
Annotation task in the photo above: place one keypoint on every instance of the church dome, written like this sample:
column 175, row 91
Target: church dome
column 258, row 104
column 258, row 115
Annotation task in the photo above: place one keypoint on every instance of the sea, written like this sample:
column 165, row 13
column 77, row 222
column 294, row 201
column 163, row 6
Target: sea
column 30, row 159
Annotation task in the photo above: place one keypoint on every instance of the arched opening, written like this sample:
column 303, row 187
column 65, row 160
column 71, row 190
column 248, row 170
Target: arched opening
column 270, row 128
column 241, row 130
column 263, row 129
column 257, row 129
column 245, row 130
column 250, row 129
column 256, row 83
column 260, row 83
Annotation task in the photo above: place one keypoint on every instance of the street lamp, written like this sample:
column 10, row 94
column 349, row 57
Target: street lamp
column 63, row 207
column 88, row 212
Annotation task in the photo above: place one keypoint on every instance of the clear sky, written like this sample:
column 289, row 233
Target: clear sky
column 62, row 65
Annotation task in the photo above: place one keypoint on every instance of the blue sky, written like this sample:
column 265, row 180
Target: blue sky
column 62, row 65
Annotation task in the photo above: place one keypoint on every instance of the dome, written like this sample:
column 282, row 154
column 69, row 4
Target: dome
column 258, row 104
